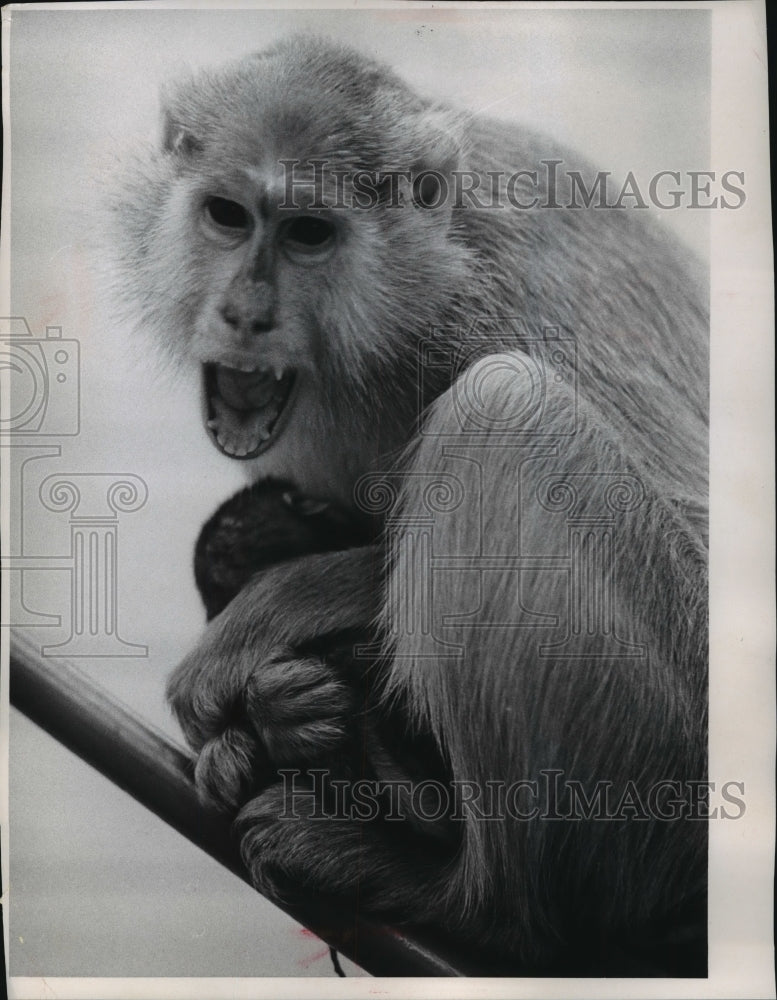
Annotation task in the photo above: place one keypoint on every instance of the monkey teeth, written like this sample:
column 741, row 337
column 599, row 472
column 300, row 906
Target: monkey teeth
column 248, row 369
column 243, row 406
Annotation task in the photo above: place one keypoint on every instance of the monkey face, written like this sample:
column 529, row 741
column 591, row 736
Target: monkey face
column 251, row 246
column 256, row 346
column 280, row 323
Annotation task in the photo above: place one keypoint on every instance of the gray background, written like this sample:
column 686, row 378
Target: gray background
column 98, row 886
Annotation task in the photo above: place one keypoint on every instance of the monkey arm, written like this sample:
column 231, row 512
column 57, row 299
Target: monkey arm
column 564, row 599
column 241, row 670
column 503, row 653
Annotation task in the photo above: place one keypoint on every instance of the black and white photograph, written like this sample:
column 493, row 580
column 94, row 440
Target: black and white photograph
column 387, row 489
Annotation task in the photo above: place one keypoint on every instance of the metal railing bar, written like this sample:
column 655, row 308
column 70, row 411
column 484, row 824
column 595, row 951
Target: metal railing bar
column 158, row 773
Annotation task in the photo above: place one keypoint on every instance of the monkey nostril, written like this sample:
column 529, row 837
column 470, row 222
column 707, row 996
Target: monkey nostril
column 261, row 325
column 259, row 322
column 230, row 316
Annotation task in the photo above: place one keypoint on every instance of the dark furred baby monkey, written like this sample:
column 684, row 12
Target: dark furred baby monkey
column 266, row 523
column 514, row 384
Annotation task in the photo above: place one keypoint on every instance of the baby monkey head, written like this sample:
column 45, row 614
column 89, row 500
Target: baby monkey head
column 291, row 236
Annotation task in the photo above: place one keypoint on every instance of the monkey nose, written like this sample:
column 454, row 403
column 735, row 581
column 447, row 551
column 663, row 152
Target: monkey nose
column 253, row 323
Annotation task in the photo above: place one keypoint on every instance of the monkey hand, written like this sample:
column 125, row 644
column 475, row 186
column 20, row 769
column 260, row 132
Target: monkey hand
column 264, row 687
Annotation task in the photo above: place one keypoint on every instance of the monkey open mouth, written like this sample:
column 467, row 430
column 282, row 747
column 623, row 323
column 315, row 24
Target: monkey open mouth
column 244, row 408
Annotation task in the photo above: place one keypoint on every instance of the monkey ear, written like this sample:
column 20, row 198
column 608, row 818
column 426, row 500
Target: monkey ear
column 432, row 172
column 177, row 138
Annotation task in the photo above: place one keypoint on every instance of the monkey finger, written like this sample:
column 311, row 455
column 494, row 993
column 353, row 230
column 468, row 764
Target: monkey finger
column 300, row 709
column 203, row 710
column 291, row 840
column 231, row 768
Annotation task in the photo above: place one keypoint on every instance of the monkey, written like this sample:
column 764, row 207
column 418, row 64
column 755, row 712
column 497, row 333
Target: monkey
column 405, row 310
column 262, row 524
column 270, row 522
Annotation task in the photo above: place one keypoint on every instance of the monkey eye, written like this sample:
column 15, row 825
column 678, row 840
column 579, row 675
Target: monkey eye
column 227, row 214
column 426, row 190
column 308, row 236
